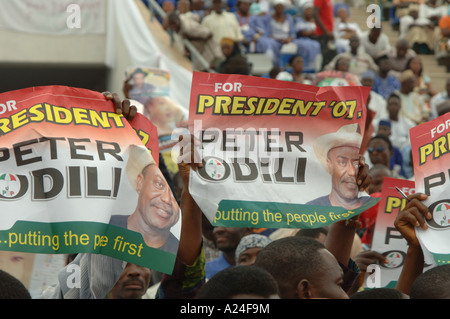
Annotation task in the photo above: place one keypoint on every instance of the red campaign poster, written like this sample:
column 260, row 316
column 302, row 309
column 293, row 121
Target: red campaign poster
column 430, row 148
column 276, row 154
column 386, row 239
column 74, row 175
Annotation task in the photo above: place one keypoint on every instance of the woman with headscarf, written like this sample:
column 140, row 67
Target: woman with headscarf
column 249, row 248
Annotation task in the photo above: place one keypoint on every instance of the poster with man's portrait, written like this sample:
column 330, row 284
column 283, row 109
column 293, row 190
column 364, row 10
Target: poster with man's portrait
column 82, row 179
column 276, row 154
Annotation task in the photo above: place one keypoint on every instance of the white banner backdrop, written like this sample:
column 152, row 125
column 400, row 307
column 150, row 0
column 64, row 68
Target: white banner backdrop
column 55, row 17
column 143, row 48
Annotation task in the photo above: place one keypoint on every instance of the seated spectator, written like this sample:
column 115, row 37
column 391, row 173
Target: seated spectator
column 443, row 35
column 184, row 9
column 186, row 26
column 399, row 56
column 359, row 61
column 342, row 64
column 443, row 108
column 279, row 29
column 222, row 24
column 432, row 11
column 273, row 73
column 168, row 6
column 375, row 42
column 439, row 98
column 198, row 7
column 231, row 6
column 378, row 172
column 385, row 83
column 413, row 107
column 376, row 103
column 297, row 64
column 403, row 7
column 397, row 163
column 343, row 28
column 308, row 47
column 381, row 151
column 235, row 62
column 244, row 19
column 418, row 31
column 423, row 84
column 399, row 125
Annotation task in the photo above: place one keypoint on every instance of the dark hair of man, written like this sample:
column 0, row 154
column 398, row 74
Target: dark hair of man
column 12, row 288
column 313, row 232
column 432, row 284
column 379, row 293
column 393, row 95
column 291, row 259
column 237, row 280
column 384, row 138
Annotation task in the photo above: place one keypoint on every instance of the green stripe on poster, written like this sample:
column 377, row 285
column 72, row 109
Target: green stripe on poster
column 85, row 237
column 281, row 215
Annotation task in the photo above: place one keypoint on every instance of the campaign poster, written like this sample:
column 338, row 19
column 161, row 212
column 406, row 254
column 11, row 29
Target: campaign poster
column 146, row 82
column 430, row 148
column 386, row 239
column 276, row 154
column 76, row 177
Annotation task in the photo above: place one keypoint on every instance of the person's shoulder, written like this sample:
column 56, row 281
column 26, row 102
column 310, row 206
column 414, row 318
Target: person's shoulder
column 209, row 17
column 323, row 200
column 407, row 121
column 366, row 199
column 119, row 220
column 215, row 260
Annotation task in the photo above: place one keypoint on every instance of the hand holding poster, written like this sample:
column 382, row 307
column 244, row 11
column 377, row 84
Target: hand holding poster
column 430, row 148
column 73, row 179
column 276, row 154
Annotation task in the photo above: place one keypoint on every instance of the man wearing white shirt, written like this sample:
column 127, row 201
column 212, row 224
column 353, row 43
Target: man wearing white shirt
column 400, row 125
column 375, row 42
column 222, row 23
column 376, row 103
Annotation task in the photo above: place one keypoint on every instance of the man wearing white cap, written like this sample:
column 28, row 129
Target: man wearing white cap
column 338, row 153
column 157, row 209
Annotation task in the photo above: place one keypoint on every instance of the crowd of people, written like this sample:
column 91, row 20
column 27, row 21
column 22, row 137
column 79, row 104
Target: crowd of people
column 302, row 39
column 331, row 262
column 305, row 37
